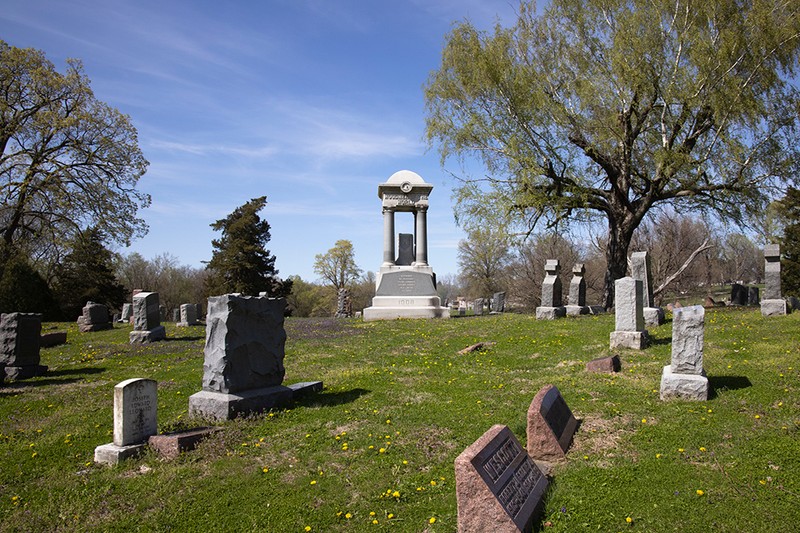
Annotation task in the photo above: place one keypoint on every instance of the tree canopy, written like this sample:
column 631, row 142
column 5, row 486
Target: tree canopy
column 240, row 261
column 611, row 108
column 67, row 160
column 338, row 266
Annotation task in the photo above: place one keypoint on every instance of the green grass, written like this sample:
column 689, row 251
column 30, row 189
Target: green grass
column 399, row 405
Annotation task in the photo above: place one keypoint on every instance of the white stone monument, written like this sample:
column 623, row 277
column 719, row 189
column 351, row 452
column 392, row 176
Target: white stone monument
column 629, row 318
column 135, row 408
column 685, row 378
column 406, row 284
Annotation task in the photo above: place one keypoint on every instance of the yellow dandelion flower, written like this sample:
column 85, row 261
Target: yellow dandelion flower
column 702, row 448
column 391, row 515
column 313, row 481
column 382, row 450
column 432, row 520
column 644, row 421
column 629, row 519
column 758, row 416
column 308, row 528
column 700, row 492
column 372, row 513
column 348, row 516
column 396, row 494
column 375, row 521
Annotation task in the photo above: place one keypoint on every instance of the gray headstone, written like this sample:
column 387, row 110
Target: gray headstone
column 577, row 287
column 95, row 313
column 127, row 312
column 753, row 296
column 405, row 250
column 628, row 304
column 688, row 324
column 551, row 287
column 20, row 338
column 146, row 311
column 499, row 302
column 188, row 314
column 640, row 269
column 498, row 486
column 135, row 408
column 772, row 272
column 245, row 341
column 477, row 306
column 551, row 425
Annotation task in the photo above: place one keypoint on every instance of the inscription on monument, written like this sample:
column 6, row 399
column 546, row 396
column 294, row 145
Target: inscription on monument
column 511, row 476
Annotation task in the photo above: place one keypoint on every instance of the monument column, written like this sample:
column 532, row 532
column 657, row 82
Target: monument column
column 388, row 236
column 421, row 219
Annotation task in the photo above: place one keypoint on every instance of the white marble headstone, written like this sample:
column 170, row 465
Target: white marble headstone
column 135, row 406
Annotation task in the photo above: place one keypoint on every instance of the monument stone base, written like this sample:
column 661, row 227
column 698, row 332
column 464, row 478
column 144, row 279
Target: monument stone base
column 225, row 406
column 405, row 292
column 111, row 454
column 773, row 307
column 158, row 333
column 25, row 372
column 550, row 313
column 683, row 386
column 635, row 340
column 654, row 316
column 597, row 309
column 577, row 310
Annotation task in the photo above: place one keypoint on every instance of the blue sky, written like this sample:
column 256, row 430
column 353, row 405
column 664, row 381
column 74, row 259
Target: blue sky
column 312, row 103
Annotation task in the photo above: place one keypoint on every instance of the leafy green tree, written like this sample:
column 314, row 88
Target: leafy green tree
column 67, row 160
column 338, row 265
column 483, row 259
column 23, row 289
column 608, row 108
column 240, row 261
column 789, row 209
column 87, row 273
column 305, row 298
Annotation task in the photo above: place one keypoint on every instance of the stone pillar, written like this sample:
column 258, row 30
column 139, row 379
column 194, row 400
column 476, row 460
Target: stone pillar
column 551, row 307
column 640, row 269
column 577, row 291
column 773, row 302
column 629, row 315
column 388, row 236
column 421, row 221
column 685, row 378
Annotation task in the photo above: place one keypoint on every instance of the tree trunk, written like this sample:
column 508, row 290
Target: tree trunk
column 619, row 239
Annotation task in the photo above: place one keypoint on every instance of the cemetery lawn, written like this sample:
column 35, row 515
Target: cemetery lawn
column 374, row 451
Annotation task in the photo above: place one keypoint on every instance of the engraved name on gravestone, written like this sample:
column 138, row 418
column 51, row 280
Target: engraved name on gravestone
column 498, row 486
column 551, row 425
column 135, row 407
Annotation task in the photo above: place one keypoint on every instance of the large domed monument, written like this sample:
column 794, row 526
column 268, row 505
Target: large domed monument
column 406, row 283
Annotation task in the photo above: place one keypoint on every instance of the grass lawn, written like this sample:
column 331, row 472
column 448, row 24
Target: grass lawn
column 374, row 451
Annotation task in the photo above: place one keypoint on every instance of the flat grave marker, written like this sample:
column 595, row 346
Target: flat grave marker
column 551, row 425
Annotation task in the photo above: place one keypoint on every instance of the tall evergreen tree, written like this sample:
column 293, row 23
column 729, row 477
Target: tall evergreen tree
column 789, row 209
column 87, row 274
column 240, row 261
column 22, row 288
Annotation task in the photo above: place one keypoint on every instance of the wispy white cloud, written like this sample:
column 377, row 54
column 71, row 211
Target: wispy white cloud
column 257, row 152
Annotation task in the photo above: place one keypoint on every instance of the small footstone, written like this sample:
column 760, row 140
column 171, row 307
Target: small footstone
column 170, row 445
column 604, row 364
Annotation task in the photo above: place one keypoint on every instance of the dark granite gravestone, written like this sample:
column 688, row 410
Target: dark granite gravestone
column 405, row 252
column 498, row 486
column 498, row 302
column 753, row 296
column 738, row 294
column 551, row 425
column 20, row 338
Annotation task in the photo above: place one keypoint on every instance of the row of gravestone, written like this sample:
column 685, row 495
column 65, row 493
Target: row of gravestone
column 242, row 373
column 479, row 306
column 500, row 486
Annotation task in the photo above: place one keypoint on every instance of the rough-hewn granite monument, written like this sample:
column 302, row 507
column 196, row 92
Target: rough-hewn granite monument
column 20, row 343
column 406, row 284
column 773, row 303
column 685, row 378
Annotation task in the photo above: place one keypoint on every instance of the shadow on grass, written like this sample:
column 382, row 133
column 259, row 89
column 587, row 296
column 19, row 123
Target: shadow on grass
column 51, row 377
column 659, row 341
column 74, row 371
column 330, row 399
column 195, row 338
column 723, row 383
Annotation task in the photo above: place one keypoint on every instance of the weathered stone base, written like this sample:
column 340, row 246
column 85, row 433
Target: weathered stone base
column 550, row 313
column 635, row 340
column 654, row 316
column 597, row 309
column 222, row 406
column 111, row 454
column 391, row 307
column 158, row 333
column 773, row 307
column 24, row 372
column 576, row 310
column 170, row 445
column 683, row 386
